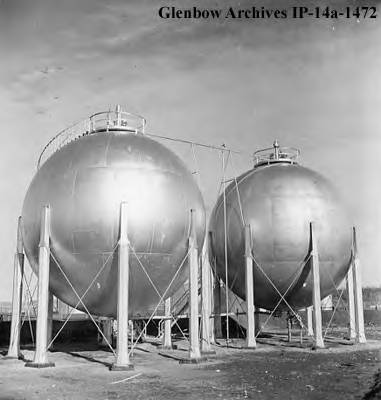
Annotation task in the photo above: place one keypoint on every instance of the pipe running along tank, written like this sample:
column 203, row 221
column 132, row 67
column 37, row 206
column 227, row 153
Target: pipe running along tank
column 84, row 182
column 278, row 198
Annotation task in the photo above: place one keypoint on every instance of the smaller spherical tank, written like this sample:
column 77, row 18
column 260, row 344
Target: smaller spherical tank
column 84, row 183
column 278, row 199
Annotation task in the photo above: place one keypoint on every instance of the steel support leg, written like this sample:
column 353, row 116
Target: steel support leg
column 63, row 309
column 167, row 337
column 212, row 338
column 50, row 320
column 359, row 308
column 249, row 281
column 18, row 274
column 40, row 356
column 211, row 281
column 217, row 307
column 257, row 321
column 122, row 362
column 206, row 305
column 194, row 349
column 309, row 311
column 351, row 304
column 289, row 328
column 318, row 334
column 106, row 327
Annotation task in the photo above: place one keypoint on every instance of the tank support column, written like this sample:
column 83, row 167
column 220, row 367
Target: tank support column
column 63, row 309
column 212, row 338
column 217, row 307
column 257, row 320
column 206, row 305
column 310, row 329
column 40, row 356
column 106, row 327
column 318, row 334
column 289, row 328
column 249, row 281
column 359, row 309
column 18, row 274
column 50, row 320
column 167, row 337
column 122, row 356
column 194, row 349
column 351, row 304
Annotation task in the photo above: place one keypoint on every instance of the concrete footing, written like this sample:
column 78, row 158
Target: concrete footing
column 168, row 348
column 197, row 360
column 33, row 364
column 124, row 367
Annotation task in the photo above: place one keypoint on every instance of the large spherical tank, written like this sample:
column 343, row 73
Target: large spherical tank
column 84, row 183
column 279, row 201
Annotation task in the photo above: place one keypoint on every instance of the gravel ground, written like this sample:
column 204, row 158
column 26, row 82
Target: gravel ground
column 269, row 372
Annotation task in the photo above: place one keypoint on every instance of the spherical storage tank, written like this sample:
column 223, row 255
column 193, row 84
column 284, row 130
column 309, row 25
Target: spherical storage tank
column 278, row 199
column 84, row 182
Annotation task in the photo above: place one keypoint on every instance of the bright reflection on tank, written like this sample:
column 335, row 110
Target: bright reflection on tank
column 279, row 199
column 84, row 182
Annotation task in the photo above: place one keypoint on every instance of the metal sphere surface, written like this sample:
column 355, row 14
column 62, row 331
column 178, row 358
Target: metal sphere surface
column 84, row 183
column 279, row 201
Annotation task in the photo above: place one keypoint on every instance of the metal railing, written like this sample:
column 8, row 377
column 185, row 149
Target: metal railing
column 103, row 121
column 276, row 154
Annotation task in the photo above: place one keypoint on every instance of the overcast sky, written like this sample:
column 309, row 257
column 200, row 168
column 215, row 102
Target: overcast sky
column 313, row 84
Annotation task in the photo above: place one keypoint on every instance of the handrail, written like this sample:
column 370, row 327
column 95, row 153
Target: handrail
column 103, row 121
column 276, row 154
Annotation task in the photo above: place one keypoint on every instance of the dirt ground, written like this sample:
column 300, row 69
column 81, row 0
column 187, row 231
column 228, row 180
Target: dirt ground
column 269, row 372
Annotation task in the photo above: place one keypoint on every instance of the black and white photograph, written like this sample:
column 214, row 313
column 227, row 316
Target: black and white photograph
column 190, row 199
